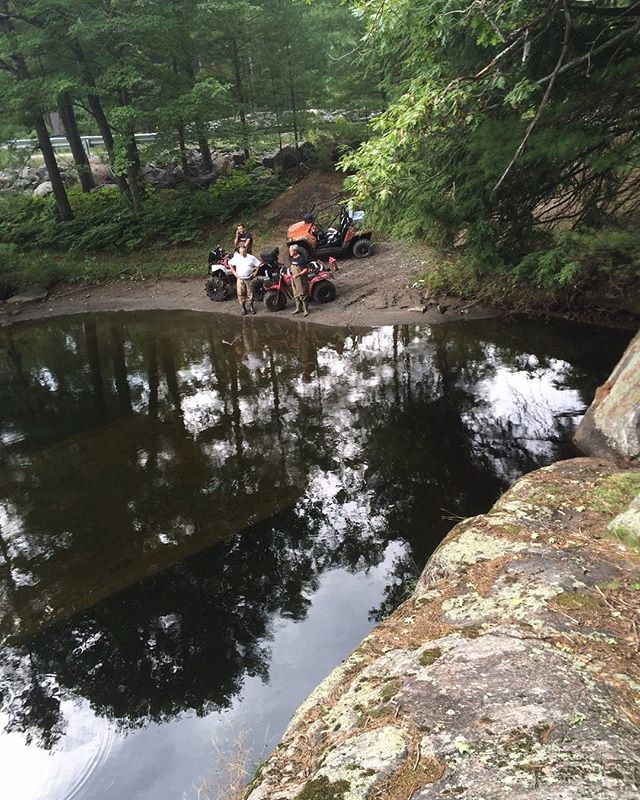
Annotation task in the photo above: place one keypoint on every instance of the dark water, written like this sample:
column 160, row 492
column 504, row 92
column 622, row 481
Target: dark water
column 200, row 518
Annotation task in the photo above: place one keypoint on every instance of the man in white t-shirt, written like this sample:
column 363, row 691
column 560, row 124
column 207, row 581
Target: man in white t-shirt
column 245, row 267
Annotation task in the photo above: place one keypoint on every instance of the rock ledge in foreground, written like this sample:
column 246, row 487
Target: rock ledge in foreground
column 512, row 671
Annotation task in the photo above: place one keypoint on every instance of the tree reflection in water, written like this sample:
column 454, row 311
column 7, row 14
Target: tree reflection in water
column 171, row 484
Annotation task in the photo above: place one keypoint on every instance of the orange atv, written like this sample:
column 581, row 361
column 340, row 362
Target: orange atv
column 342, row 237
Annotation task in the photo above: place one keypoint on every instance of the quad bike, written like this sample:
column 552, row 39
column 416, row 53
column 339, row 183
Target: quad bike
column 221, row 283
column 341, row 238
column 319, row 282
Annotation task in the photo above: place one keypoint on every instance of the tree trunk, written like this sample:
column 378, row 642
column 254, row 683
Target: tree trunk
column 97, row 111
column 277, row 109
column 95, row 106
column 205, row 150
column 133, row 174
column 59, row 191
column 201, row 131
column 294, row 108
column 80, row 159
column 183, row 150
column 133, row 160
column 22, row 73
column 240, row 96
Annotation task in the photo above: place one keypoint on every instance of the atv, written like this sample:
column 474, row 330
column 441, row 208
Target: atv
column 342, row 237
column 319, row 281
column 221, row 283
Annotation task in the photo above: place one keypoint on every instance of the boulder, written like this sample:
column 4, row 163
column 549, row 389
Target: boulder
column 461, row 238
column 102, row 173
column 288, row 157
column 43, row 174
column 43, row 189
column 21, row 184
column 6, row 179
column 195, row 162
column 221, row 165
column 611, row 426
column 160, row 178
column 33, row 294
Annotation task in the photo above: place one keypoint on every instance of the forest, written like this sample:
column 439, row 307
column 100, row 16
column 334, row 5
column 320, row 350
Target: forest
column 504, row 133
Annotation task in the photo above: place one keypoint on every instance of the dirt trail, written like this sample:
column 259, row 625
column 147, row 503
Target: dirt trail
column 379, row 290
column 371, row 292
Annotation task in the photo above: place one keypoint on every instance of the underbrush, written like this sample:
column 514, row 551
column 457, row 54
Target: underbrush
column 106, row 239
column 104, row 220
column 576, row 270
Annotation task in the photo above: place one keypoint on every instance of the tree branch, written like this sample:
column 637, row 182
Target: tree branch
column 581, row 59
column 545, row 99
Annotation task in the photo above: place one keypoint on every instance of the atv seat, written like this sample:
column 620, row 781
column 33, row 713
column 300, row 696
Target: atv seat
column 270, row 256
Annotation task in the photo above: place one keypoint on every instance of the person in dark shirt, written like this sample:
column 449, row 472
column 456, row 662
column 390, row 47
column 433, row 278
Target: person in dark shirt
column 243, row 237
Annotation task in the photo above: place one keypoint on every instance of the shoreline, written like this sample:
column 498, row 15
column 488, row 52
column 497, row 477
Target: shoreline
column 351, row 308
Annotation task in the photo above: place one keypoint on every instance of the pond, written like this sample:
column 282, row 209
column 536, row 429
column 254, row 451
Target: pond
column 200, row 517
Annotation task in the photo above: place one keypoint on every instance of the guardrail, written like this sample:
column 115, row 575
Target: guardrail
column 62, row 143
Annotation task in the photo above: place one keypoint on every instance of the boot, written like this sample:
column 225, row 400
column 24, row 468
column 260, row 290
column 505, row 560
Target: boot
column 305, row 309
column 252, row 309
column 298, row 306
column 243, row 309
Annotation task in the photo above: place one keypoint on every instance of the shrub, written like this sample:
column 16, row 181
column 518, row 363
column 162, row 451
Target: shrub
column 567, row 265
column 104, row 220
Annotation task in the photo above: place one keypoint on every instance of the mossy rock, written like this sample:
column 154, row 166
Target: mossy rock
column 429, row 656
column 578, row 601
column 324, row 789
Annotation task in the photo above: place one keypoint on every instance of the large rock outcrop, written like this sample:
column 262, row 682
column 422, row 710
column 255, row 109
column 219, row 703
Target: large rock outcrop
column 511, row 672
column 611, row 426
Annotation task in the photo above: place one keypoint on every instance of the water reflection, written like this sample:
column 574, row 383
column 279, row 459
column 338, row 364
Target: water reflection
column 170, row 485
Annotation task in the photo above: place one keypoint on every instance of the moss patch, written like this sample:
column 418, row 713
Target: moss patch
column 429, row 656
column 577, row 601
column 324, row 789
column 389, row 690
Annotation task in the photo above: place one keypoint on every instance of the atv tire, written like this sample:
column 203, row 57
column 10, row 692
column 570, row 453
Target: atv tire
column 362, row 248
column 216, row 288
column 275, row 300
column 324, row 292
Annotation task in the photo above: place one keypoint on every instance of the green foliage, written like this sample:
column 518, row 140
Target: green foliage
column 481, row 135
column 8, row 257
column 104, row 220
column 579, row 258
column 333, row 141
column 567, row 264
